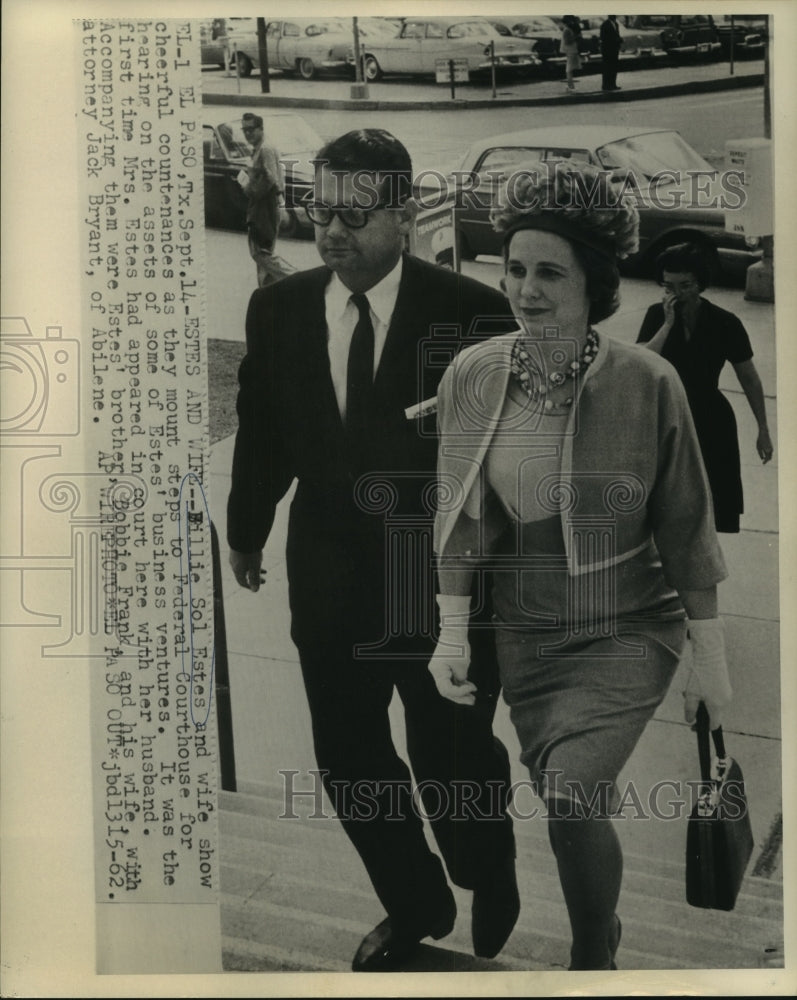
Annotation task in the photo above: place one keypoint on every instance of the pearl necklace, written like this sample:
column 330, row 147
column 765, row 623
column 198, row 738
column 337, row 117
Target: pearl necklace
column 531, row 379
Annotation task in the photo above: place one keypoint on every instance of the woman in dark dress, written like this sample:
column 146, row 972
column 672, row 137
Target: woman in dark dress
column 697, row 338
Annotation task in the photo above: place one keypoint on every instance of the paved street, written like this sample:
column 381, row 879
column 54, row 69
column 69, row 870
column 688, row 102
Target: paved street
column 435, row 138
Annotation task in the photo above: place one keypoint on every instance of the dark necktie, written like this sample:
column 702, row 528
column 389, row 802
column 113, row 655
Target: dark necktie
column 360, row 372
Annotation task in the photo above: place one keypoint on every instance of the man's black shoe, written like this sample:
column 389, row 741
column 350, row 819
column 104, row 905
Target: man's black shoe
column 495, row 909
column 386, row 949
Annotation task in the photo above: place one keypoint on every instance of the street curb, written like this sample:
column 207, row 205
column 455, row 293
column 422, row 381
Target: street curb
column 336, row 104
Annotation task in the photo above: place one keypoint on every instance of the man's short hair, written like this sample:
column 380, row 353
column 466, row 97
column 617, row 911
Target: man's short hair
column 251, row 121
column 373, row 151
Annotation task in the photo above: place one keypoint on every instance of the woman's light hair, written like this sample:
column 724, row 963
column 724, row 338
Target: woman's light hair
column 583, row 198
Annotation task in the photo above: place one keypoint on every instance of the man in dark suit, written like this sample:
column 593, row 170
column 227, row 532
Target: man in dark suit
column 611, row 43
column 334, row 367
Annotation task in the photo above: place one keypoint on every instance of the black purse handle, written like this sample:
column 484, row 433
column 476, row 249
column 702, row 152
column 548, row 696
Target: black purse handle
column 703, row 749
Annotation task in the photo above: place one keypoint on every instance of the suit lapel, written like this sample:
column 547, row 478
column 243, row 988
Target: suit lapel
column 398, row 353
column 312, row 357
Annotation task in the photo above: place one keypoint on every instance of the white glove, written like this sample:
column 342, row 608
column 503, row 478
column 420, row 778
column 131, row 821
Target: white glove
column 708, row 680
column 451, row 659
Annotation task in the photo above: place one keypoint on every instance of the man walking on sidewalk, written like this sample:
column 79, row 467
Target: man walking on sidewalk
column 334, row 393
column 611, row 43
column 264, row 187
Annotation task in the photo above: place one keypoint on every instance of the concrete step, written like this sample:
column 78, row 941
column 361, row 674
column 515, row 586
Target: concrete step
column 295, row 897
column 324, row 840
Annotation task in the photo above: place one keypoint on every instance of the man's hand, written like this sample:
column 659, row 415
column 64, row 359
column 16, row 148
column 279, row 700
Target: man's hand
column 449, row 667
column 246, row 567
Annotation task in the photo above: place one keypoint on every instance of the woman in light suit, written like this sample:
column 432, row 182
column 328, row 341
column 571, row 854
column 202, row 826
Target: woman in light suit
column 571, row 32
column 570, row 471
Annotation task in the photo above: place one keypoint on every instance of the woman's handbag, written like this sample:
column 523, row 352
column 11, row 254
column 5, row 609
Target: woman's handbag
column 719, row 838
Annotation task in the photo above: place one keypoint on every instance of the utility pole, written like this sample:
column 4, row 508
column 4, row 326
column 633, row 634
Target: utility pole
column 262, row 54
column 359, row 89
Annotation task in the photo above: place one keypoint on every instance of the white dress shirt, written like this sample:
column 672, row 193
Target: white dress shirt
column 342, row 316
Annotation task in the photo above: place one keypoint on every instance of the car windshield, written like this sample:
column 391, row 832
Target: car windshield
column 503, row 158
column 288, row 133
column 647, row 155
column 468, row 29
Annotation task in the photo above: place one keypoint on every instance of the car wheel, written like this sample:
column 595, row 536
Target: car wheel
column 306, row 68
column 372, row 71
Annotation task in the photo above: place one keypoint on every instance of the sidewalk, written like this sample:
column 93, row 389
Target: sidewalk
column 295, row 895
column 639, row 80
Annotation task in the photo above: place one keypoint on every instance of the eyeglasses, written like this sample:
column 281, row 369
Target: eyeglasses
column 350, row 215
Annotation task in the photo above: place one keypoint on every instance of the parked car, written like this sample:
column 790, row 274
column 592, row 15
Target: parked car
column 226, row 151
column 421, row 42
column 638, row 41
column 217, row 37
column 633, row 155
column 749, row 33
column 305, row 46
column 544, row 34
column 680, row 35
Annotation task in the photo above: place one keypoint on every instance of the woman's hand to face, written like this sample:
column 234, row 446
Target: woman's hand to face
column 669, row 302
column 683, row 287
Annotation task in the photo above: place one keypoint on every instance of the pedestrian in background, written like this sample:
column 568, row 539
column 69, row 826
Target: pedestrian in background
column 571, row 33
column 264, row 186
column 697, row 338
column 611, row 43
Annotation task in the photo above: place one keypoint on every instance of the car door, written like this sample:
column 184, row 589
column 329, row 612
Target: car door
column 433, row 46
column 225, row 201
column 274, row 43
column 403, row 55
column 289, row 44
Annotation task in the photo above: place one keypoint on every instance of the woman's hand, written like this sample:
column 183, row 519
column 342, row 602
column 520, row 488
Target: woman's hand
column 708, row 680
column 668, row 302
column 449, row 667
column 764, row 445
